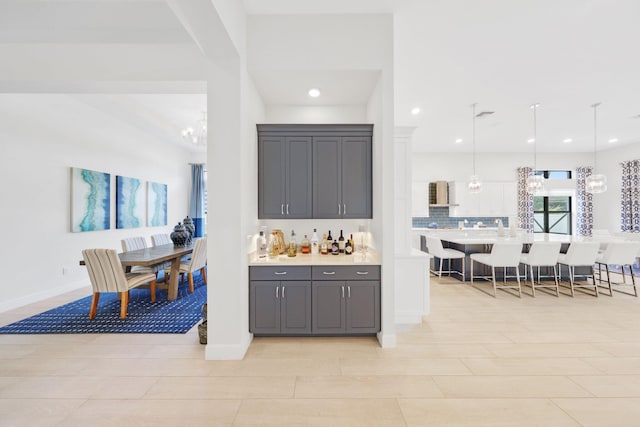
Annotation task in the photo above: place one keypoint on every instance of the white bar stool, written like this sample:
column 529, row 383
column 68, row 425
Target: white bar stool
column 580, row 254
column 435, row 248
column 622, row 254
column 542, row 254
column 503, row 254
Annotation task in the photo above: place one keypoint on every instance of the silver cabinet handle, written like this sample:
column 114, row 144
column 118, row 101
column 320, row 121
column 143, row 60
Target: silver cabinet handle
column 287, row 208
column 348, row 289
column 338, row 208
column 362, row 272
column 329, row 273
column 342, row 291
column 279, row 273
column 277, row 289
column 282, row 209
column 344, row 209
column 283, row 288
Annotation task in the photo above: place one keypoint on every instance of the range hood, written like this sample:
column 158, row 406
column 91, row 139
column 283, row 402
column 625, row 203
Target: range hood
column 439, row 195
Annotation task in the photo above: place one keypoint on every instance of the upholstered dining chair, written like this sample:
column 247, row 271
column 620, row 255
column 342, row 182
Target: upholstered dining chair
column 622, row 254
column 542, row 254
column 435, row 248
column 160, row 239
column 107, row 275
column 580, row 254
column 135, row 243
column 198, row 262
column 505, row 255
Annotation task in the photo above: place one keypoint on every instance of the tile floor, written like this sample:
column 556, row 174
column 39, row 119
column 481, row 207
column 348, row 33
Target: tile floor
column 475, row 361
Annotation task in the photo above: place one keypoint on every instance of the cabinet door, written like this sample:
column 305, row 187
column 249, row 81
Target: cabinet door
column 510, row 199
column 327, row 200
column 295, row 307
column 356, row 177
column 264, row 307
column 271, row 177
column 298, row 178
column 328, row 307
column 363, row 307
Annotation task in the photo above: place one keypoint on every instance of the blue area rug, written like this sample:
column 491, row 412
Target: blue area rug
column 143, row 316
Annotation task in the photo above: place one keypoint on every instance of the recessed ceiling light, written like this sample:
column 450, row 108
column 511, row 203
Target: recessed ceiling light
column 314, row 93
column 415, row 111
column 613, row 140
column 567, row 140
column 531, row 140
column 459, row 141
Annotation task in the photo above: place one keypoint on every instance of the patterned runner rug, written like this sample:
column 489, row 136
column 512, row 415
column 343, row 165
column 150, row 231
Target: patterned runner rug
column 143, row 316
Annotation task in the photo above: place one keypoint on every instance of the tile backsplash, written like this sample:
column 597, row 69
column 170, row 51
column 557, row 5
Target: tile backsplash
column 440, row 216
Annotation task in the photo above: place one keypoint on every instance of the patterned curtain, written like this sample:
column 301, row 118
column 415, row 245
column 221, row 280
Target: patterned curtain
column 525, row 200
column 630, row 197
column 197, row 201
column 584, row 203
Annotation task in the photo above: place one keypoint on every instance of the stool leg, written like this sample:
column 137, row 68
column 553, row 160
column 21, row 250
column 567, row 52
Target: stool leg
column 609, row 280
column 519, row 285
column 533, row 285
column 555, row 277
column 633, row 280
column 493, row 275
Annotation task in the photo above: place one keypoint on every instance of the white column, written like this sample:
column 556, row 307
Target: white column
column 402, row 188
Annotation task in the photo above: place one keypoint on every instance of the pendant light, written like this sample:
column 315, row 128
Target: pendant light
column 595, row 183
column 535, row 183
column 475, row 185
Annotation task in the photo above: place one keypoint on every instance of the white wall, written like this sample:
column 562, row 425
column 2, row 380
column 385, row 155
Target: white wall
column 316, row 114
column 42, row 137
column 490, row 166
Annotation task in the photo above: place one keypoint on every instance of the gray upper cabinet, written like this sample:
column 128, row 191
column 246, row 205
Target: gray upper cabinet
column 314, row 171
column 285, row 174
column 342, row 177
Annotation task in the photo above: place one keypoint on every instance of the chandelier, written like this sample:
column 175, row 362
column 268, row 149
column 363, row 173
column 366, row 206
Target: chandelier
column 475, row 183
column 197, row 135
column 535, row 182
column 596, row 182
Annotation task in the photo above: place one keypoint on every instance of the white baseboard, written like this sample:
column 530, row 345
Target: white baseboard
column 386, row 340
column 227, row 352
column 39, row 296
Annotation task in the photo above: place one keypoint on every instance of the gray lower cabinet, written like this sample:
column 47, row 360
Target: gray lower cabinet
column 279, row 307
column 348, row 305
column 345, row 306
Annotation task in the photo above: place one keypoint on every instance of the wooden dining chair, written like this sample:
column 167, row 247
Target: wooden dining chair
column 107, row 275
column 198, row 262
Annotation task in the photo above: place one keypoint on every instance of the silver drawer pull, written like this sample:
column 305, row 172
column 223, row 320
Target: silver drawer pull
column 349, row 289
column 362, row 272
column 279, row 273
column 329, row 273
column 283, row 288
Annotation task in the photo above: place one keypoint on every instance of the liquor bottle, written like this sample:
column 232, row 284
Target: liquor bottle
column 274, row 245
column 335, row 250
column 305, row 246
column 324, row 247
column 315, row 243
column 293, row 247
column 353, row 244
column 341, row 243
column 348, row 249
column 262, row 245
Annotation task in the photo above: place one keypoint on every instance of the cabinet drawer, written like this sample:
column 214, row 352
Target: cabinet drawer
column 340, row 272
column 280, row 273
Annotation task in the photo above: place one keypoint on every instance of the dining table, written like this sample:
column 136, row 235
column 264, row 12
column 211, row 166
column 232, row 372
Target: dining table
column 155, row 255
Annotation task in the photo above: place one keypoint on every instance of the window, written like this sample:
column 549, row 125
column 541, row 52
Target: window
column 552, row 214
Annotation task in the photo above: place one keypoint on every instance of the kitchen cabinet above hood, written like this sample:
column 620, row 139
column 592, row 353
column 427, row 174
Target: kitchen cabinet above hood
column 439, row 195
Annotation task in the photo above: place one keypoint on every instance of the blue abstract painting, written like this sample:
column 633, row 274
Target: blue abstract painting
column 90, row 200
column 156, row 204
column 130, row 202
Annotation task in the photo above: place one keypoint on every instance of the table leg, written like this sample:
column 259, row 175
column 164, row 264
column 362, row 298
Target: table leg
column 174, row 276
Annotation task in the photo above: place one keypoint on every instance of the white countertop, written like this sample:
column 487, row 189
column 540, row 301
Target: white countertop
column 480, row 237
column 359, row 258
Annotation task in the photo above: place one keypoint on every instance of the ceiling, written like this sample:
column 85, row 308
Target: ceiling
column 501, row 54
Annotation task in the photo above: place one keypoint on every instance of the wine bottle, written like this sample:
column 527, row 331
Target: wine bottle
column 293, row 247
column 329, row 239
column 324, row 247
column 353, row 244
column 305, row 246
column 335, row 250
column 348, row 249
column 341, row 243
column 262, row 245
column 315, row 243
